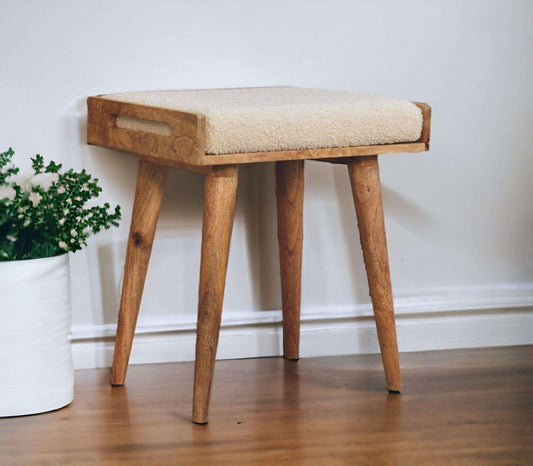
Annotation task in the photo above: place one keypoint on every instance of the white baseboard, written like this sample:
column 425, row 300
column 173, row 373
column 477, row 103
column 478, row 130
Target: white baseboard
column 437, row 319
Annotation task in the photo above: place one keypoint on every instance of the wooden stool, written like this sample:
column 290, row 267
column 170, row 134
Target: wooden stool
column 212, row 132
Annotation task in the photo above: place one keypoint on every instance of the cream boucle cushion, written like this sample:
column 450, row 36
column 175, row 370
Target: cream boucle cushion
column 284, row 118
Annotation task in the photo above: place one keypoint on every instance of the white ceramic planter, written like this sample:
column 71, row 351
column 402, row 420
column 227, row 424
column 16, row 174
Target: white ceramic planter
column 36, row 373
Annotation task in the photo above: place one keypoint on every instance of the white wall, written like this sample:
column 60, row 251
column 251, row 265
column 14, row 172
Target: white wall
column 459, row 218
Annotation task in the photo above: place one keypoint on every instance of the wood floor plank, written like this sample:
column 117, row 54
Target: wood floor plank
column 457, row 407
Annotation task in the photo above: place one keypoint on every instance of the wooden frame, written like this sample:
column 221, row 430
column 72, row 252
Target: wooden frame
column 185, row 147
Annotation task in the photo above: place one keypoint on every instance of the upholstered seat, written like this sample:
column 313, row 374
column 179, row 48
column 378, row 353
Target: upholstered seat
column 282, row 118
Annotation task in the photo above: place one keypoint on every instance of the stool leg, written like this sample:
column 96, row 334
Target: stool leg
column 366, row 188
column 219, row 204
column 290, row 197
column 148, row 195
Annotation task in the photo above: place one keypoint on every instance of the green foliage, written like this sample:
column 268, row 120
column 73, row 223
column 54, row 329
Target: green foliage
column 49, row 213
column 6, row 170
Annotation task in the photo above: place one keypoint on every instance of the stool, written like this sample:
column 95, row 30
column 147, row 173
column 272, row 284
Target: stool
column 212, row 132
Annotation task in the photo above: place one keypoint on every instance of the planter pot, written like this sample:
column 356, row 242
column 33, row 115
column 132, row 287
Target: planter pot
column 36, row 373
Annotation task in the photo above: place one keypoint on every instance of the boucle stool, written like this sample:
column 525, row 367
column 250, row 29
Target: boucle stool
column 212, row 132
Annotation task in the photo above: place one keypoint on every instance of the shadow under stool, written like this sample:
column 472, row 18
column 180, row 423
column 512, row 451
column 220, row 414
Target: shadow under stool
column 212, row 132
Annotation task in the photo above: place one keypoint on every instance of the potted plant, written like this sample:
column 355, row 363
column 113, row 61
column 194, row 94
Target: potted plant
column 43, row 217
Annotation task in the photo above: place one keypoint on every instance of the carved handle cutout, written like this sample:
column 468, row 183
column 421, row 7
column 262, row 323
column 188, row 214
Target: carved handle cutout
column 146, row 126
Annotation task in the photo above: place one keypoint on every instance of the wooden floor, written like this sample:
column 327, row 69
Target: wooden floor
column 457, row 407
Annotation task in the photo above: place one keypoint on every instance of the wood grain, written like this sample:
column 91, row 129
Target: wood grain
column 366, row 189
column 462, row 407
column 426, row 126
column 219, row 204
column 304, row 154
column 185, row 143
column 148, row 196
column 289, row 199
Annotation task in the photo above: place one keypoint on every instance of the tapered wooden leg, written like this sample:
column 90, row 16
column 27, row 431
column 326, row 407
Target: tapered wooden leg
column 366, row 188
column 148, row 195
column 219, row 204
column 290, row 197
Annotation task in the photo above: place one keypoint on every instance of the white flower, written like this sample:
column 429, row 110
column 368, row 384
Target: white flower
column 77, row 198
column 12, row 178
column 27, row 222
column 19, row 179
column 44, row 180
column 63, row 245
column 35, row 198
column 11, row 238
column 61, row 221
column 73, row 232
column 7, row 192
column 61, row 190
column 69, row 201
